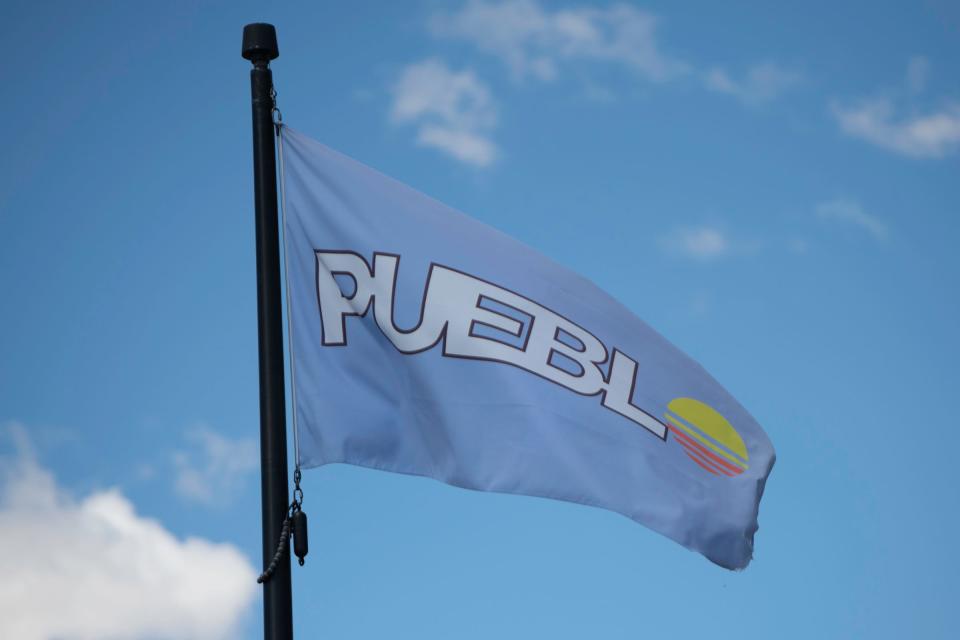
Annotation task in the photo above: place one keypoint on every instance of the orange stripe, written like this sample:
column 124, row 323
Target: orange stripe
column 698, row 457
column 704, row 466
column 725, row 468
column 694, row 453
column 708, row 441
column 684, row 438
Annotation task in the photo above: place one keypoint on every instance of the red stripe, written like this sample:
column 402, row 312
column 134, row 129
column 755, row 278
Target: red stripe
column 724, row 468
column 699, row 457
column 704, row 455
column 703, row 465
column 712, row 456
column 684, row 438
column 692, row 451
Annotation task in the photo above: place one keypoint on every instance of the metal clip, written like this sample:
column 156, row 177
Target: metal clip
column 275, row 111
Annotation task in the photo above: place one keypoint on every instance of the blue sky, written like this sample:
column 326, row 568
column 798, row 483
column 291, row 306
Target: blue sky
column 773, row 188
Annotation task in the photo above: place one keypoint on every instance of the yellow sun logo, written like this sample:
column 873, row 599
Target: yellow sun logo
column 707, row 437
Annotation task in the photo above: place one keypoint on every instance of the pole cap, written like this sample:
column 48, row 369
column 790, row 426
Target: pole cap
column 260, row 42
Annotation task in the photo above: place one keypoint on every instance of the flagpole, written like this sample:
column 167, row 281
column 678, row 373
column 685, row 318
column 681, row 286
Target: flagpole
column 260, row 47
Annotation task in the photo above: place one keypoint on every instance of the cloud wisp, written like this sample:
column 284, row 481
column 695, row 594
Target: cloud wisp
column 917, row 133
column 95, row 568
column 214, row 467
column 536, row 42
column 452, row 110
column 924, row 135
column 760, row 84
column 701, row 243
column 851, row 212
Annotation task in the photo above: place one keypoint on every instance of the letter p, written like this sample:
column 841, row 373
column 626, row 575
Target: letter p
column 335, row 304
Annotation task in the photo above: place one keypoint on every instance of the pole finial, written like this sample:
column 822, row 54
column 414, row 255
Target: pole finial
column 260, row 42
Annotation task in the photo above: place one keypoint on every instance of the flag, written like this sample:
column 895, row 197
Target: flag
column 425, row 342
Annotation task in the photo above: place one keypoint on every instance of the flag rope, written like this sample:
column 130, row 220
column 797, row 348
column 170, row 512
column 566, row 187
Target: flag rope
column 278, row 126
column 278, row 556
column 295, row 517
column 295, row 524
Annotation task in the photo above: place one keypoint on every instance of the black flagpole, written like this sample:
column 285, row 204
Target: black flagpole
column 260, row 47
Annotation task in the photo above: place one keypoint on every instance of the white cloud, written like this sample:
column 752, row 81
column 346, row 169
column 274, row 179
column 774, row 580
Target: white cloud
column 761, row 83
column 453, row 110
column 929, row 135
column 850, row 211
column 214, row 469
column 700, row 243
column 534, row 41
column 910, row 131
column 94, row 568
